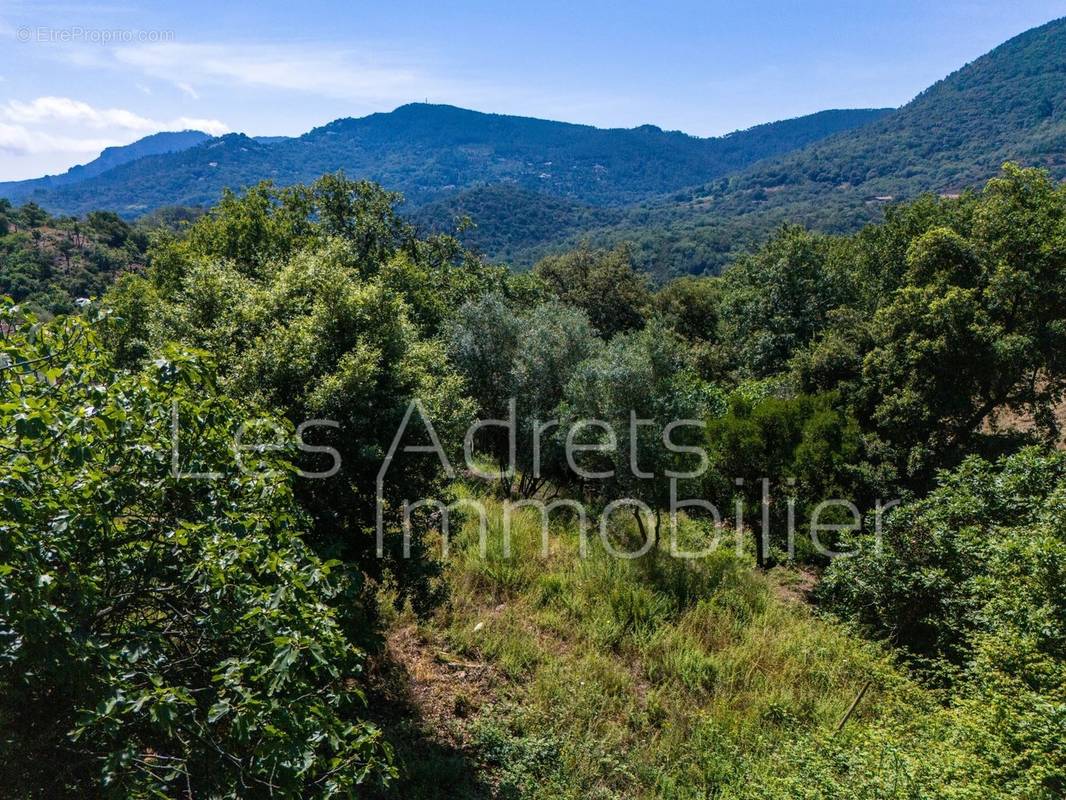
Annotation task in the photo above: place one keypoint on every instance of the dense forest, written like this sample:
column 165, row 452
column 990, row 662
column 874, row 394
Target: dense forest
column 50, row 264
column 442, row 454
column 1010, row 104
column 201, row 594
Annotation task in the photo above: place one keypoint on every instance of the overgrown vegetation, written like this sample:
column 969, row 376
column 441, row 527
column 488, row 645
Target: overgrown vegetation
column 175, row 635
column 687, row 679
column 163, row 634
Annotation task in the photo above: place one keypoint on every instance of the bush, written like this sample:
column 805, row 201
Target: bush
column 159, row 634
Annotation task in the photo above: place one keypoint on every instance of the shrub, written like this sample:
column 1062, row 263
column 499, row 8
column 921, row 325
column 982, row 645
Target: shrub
column 159, row 634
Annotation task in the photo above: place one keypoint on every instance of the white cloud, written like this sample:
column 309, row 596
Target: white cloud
column 364, row 76
column 187, row 90
column 48, row 134
column 67, row 111
column 360, row 75
column 20, row 139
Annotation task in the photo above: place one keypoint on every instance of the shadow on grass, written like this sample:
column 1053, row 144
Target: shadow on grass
column 430, row 763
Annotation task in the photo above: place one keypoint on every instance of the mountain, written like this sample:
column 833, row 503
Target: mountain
column 157, row 143
column 690, row 205
column 509, row 222
column 1009, row 104
column 429, row 152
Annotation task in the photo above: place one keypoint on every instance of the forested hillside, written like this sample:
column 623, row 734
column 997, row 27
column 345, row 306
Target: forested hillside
column 555, row 479
column 49, row 263
column 157, row 143
column 509, row 224
column 1007, row 105
column 429, row 151
column 688, row 205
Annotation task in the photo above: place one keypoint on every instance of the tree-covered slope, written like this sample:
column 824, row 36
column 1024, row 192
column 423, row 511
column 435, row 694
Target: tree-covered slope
column 163, row 634
column 507, row 222
column 1010, row 104
column 111, row 157
column 456, row 148
column 48, row 264
column 430, row 151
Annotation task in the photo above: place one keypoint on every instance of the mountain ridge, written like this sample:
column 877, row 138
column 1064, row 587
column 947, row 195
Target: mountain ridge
column 428, row 151
column 1007, row 105
column 109, row 158
column 690, row 205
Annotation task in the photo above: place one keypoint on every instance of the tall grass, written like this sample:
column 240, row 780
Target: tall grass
column 670, row 678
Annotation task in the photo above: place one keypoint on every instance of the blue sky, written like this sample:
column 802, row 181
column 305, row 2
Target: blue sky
column 76, row 77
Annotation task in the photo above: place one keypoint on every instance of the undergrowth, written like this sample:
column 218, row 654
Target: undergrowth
column 661, row 677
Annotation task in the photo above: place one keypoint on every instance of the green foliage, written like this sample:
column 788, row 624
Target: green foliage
column 160, row 634
column 970, row 581
column 691, row 307
column 939, row 560
column 620, row 401
column 318, row 301
column 974, row 325
column 525, row 357
column 809, row 450
column 48, row 264
column 510, row 224
column 777, row 300
column 604, row 284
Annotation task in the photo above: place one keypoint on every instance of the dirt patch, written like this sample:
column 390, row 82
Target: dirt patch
column 436, row 687
column 423, row 699
column 1009, row 420
column 793, row 584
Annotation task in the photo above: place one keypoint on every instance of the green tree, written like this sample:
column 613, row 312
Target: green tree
column 307, row 312
column 160, row 634
column 978, row 325
column 554, row 340
column 690, row 306
column 522, row 360
column 31, row 215
column 806, row 448
column 603, row 283
column 621, row 400
column 776, row 301
column 109, row 227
